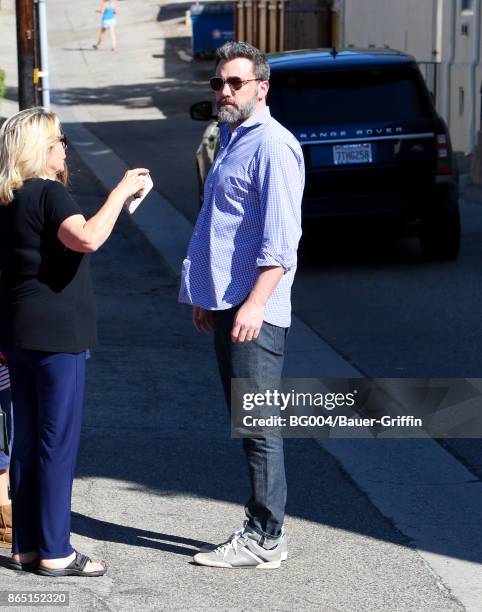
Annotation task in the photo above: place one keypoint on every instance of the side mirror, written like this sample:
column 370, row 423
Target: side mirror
column 202, row 111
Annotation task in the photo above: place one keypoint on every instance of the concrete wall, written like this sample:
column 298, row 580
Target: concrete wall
column 461, row 70
column 431, row 30
column 402, row 24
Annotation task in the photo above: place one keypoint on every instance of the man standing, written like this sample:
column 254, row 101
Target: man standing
column 238, row 274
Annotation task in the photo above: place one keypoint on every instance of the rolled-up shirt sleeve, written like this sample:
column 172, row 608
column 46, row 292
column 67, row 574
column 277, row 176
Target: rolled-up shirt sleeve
column 280, row 182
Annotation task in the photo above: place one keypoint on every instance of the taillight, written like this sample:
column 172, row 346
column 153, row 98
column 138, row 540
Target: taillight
column 443, row 162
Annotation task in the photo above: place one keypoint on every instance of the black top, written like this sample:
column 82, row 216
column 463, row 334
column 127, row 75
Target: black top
column 46, row 295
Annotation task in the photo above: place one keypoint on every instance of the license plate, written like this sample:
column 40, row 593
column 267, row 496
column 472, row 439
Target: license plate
column 352, row 154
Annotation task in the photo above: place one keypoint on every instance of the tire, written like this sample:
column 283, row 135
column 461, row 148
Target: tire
column 440, row 235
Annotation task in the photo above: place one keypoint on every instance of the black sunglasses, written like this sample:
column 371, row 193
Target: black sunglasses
column 235, row 83
column 63, row 140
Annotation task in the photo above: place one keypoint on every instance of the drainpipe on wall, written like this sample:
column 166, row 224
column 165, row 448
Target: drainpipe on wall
column 438, row 10
column 449, row 59
column 471, row 121
column 435, row 31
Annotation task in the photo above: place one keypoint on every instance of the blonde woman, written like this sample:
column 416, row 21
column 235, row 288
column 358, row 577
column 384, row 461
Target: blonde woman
column 47, row 322
column 108, row 10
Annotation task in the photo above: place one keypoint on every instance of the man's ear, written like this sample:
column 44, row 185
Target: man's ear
column 263, row 89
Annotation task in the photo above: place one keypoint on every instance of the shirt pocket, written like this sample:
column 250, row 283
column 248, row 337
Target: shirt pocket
column 236, row 195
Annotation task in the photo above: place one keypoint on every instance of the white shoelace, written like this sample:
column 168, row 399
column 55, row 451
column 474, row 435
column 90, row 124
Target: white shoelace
column 239, row 539
column 233, row 540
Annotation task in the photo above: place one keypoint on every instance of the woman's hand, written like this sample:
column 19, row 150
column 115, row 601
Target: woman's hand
column 132, row 183
column 82, row 236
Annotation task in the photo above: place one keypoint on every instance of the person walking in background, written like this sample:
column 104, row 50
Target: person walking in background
column 47, row 323
column 238, row 274
column 5, row 505
column 108, row 10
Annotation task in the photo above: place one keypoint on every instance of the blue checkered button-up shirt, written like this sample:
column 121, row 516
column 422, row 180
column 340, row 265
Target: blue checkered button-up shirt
column 251, row 218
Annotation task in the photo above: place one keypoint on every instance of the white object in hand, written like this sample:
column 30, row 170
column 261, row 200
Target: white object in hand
column 132, row 203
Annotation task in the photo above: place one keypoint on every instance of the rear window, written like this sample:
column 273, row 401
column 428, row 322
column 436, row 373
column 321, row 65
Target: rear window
column 374, row 95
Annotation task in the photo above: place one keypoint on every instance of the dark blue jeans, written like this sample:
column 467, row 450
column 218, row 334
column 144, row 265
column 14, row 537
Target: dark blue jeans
column 262, row 359
column 48, row 395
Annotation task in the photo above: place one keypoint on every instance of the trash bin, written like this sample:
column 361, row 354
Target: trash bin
column 212, row 26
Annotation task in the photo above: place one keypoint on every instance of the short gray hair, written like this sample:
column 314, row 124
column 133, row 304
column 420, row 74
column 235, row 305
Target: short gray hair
column 232, row 50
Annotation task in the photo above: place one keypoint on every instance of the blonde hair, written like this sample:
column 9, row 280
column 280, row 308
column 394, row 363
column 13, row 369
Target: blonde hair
column 25, row 140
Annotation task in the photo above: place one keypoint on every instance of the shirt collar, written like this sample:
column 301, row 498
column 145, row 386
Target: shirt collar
column 262, row 116
column 259, row 118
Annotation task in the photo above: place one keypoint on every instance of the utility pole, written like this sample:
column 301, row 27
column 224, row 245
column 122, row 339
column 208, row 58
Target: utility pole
column 27, row 91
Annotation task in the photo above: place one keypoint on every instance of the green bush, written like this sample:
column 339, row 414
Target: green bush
column 2, row 83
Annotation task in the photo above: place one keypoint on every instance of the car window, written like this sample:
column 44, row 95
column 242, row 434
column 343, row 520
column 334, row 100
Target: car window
column 339, row 97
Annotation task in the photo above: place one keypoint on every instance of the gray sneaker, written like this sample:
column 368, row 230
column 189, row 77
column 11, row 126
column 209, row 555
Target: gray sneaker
column 284, row 541
column 242, row 550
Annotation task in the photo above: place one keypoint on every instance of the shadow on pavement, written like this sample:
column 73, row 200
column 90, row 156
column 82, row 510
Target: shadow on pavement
column 120, row 534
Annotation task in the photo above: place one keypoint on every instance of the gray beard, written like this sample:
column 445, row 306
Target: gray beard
column 238, row 115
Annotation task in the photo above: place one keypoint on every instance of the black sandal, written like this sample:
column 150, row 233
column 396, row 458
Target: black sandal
column 76, row 568
column 29, row 566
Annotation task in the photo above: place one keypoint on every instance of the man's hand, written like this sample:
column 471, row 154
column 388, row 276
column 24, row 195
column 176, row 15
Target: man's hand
column 247, row 322
column 202, row 319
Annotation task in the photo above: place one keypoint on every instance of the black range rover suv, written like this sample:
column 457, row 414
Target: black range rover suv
column 374, row 146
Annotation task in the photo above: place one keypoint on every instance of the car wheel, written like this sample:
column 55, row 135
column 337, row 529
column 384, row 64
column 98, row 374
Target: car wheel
column 440, row 234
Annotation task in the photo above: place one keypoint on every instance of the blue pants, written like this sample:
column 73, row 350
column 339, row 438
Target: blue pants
column 47, row 395
column 6, row 405
column 261, row 359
